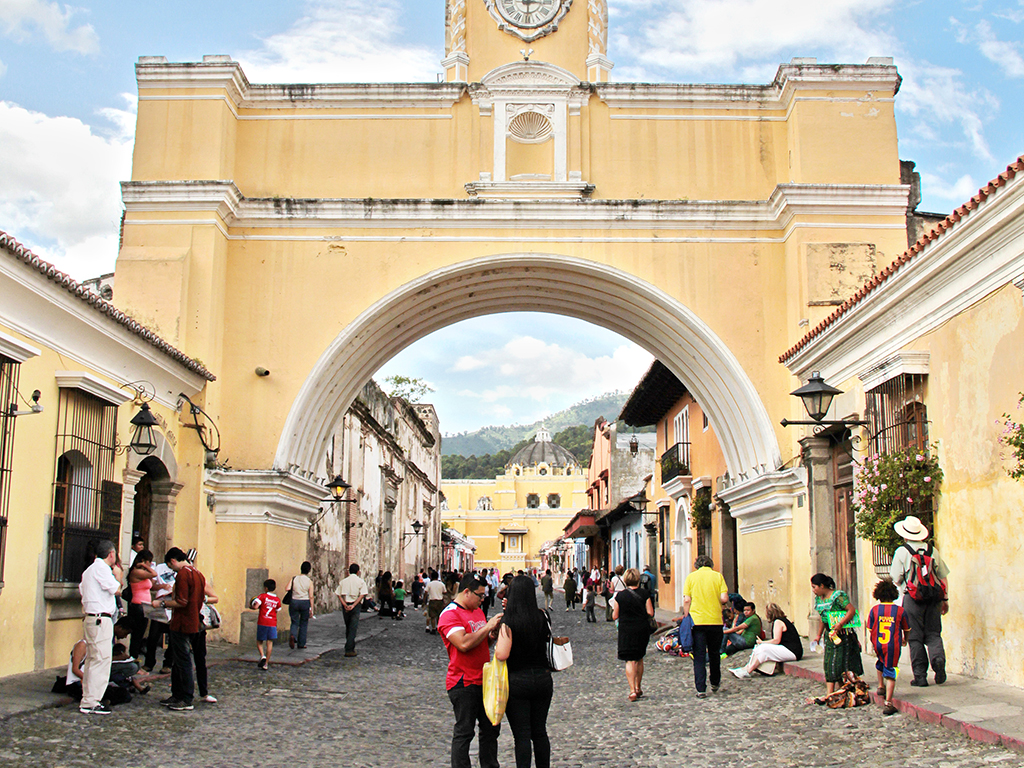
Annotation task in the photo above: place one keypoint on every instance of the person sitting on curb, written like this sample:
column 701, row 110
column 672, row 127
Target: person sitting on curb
column 783, row 645
column 744, row 634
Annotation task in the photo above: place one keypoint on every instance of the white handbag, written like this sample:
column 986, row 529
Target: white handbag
column 559, row 650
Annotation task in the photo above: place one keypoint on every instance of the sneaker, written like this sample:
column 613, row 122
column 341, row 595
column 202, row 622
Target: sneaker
column 165, row 670
column 291, row 642
column 741, row 673
column 714, row 688
column 99, row 709
column 881, row 690
column 181, row 706
column 208, row 699
column 702, row 694
column 262, row 663
column 350, row 654
column 919, row 682
column 889, row 708
column 940, row 675
column 168, row 701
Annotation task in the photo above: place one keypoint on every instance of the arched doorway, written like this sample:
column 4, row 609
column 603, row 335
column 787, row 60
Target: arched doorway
column 150, row 491
column 682, row 553
column 551, row 283
column 154, row 475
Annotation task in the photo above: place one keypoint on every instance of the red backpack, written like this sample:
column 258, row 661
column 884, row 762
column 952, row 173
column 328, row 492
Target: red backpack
column 924, row 584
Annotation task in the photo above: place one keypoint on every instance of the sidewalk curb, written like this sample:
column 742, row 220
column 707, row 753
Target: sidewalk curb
column 970, row 730
column 249, row 656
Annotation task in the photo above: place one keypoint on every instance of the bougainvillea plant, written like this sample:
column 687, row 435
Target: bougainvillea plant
column 700, row 514
column 1012, row 437
column 892, row 486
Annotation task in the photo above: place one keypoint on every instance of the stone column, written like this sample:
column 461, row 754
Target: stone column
column 130, row 478
column 818, row 460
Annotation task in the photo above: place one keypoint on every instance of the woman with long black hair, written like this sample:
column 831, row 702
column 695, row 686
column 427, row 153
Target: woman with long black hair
column 523, row 644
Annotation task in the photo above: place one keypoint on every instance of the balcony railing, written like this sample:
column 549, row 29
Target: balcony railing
column 675, row 462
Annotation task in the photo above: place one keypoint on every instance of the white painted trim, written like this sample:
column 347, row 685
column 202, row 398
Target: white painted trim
column 94, row 386
column 765, row 501
column 280, row 499
column 976, row 257
column 13, row 349
column 700, row 482
column 912, row 362
column 49, row 316
column 297, row 116
column 1019, row 284
column 780, row 211
column 555, row 283
column 678, row 486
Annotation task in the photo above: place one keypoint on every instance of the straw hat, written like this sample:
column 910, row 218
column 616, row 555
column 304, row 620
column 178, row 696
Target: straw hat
column 911, row 529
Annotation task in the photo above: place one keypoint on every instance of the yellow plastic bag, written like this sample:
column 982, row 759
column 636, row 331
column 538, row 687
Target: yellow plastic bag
column 495, row 690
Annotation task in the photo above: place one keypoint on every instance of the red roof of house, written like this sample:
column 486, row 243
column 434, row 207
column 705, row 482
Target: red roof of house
column 934, row 234
column 50, row 272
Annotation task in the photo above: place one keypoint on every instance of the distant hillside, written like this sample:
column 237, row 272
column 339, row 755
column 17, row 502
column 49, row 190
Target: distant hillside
column 490, row 440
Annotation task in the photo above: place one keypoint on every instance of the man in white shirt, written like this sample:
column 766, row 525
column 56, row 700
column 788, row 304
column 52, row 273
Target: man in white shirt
column 351, row 592
column 435, row 602
column 100, row 583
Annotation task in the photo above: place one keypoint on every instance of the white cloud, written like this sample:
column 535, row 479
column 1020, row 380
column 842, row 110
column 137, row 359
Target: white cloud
column 1003, row 54
column 936, row 97
column 342, row 41
column 22, row 19
column 60, row 194
column 532, row 369
column 731, row 37
column 956, row 192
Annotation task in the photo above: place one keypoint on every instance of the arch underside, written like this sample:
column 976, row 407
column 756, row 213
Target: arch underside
column 559, row 285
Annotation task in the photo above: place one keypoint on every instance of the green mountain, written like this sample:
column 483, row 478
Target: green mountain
column 490, row 440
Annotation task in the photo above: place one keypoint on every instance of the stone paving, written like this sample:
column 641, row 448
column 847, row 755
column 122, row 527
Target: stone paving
column 387, row 707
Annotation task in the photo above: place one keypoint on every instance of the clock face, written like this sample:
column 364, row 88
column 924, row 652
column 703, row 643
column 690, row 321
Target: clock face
column 528, row 14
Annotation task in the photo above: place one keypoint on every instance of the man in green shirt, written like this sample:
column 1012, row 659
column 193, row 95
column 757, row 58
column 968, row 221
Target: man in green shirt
column 704, row 594
column 744, row 635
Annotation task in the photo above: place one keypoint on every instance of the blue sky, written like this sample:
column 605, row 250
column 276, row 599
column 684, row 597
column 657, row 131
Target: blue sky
column 67, row 111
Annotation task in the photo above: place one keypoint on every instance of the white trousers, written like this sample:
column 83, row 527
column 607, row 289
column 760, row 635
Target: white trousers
column 765, row 652
column 99, row 648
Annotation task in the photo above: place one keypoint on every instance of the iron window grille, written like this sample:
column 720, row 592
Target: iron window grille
column 897, row 414
column 86, row 500
column 554, row 501
column 8, row 395
column 532, row 501
column 675, row 462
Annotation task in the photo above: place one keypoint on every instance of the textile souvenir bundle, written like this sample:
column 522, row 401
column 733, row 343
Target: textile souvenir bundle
column 853, row 693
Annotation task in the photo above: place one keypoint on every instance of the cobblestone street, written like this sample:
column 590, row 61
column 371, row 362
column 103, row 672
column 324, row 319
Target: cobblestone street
column 388, row 707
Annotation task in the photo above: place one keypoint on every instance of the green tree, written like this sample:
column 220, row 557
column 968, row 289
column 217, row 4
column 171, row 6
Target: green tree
column 408, row 388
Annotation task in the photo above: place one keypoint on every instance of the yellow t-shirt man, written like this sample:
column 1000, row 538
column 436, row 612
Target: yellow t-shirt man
column 705, row 588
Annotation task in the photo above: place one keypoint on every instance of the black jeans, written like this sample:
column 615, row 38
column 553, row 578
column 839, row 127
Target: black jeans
column 198, row 643
column 707, row 647
column 138, row 622
column 468, row 703
column 157, row 629
column 529, row 699
column 182, row 684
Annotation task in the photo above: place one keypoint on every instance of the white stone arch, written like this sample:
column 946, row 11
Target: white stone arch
column 551, row 283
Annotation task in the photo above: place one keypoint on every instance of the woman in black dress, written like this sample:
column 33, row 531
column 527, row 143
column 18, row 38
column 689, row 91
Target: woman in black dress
column 523, row 643
column 633, row 609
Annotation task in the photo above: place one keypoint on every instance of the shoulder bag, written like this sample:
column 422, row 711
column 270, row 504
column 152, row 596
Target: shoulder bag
column 559, row 651
column 287, row 599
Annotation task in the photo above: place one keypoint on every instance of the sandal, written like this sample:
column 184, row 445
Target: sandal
column 144, row 689
column 632, row 696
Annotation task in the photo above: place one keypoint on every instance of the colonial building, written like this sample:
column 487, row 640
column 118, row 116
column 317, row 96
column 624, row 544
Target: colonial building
column 512, row 516
column 74, row 374
column 929, row 355
column 690, row 472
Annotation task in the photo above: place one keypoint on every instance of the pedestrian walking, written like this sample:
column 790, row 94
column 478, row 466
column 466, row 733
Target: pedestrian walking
column 889, row 628
column 633, row 610
column 268, row 604
column 916, row 560
column 489, row 600
column 839, row 618
column 185, row 604
column 466, row 634
column 352, row 591
column 522, row 643
column 590, row 602
column 100, row 582
column 704, row 594
column 300, row 610
column 547, row 586
column 569, row 585
column 435, row 594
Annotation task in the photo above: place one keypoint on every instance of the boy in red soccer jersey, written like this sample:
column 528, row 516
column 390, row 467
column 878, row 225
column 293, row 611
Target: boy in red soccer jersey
column 266, row 625
column 889, row 627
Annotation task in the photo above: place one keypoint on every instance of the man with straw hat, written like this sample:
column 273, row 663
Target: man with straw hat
column 924, row 615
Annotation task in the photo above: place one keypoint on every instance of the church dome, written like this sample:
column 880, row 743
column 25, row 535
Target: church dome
column 543, row 453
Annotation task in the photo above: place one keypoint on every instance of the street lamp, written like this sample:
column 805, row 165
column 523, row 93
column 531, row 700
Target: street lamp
column 817, row 397
column 634, row 446
column 338, row 488
column 416, row 526
column 143, row 441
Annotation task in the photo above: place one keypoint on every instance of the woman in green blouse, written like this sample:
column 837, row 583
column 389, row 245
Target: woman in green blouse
column 839, row 617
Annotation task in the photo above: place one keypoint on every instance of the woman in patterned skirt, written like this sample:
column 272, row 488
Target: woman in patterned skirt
column 839, row 618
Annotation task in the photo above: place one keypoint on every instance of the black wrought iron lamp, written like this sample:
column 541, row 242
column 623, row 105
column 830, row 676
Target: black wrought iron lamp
column 143, row 440
column 417, row 527
column 634, row 446
column 817, row 397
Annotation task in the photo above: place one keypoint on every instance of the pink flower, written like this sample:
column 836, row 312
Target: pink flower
column 920, row 457
column 910, row 500
column 927, row 479
column 884, row 486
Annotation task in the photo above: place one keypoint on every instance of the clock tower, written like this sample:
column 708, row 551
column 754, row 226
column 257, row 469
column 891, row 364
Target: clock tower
column 482, row 35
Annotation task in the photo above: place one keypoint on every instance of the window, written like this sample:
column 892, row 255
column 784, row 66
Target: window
column 898, row 415
column 86, row 500
column 554, row 500
column 8, row 396
column 532, row 501
column 484, row 503
column 705, row 416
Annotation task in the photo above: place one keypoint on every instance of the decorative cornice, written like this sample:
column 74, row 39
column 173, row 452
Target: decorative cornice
column 914, row 362
column 94, row 386
column 765, row 501
column 14, row 350
column 267, row 497
column 488, row 210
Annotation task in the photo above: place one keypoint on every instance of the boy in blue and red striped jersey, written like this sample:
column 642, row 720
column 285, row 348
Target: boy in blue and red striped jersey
column 889, row 627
